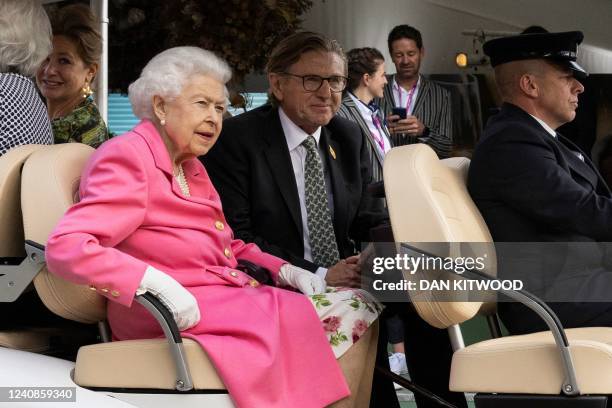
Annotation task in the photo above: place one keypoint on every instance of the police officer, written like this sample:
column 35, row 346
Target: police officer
column 533, row 185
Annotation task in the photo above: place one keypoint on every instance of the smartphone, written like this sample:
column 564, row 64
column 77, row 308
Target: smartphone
column 401, row 112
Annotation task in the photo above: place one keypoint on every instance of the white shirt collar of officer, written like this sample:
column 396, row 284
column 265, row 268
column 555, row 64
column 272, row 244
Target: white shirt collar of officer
column 547, row 128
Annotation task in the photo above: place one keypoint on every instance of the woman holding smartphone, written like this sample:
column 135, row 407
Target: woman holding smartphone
column 366, row 81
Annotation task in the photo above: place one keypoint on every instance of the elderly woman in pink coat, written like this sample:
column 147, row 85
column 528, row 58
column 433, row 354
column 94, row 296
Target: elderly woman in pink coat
column 150, row 220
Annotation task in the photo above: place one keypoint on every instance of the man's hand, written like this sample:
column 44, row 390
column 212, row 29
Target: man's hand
column 346, row 273
column 410, row 126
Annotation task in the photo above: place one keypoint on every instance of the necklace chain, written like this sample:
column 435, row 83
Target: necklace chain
column 182, row 181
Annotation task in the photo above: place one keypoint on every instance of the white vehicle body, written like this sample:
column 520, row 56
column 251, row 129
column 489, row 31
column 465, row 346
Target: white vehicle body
column 24, row 369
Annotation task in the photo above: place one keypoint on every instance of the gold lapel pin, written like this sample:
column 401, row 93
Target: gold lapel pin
column 332, row 152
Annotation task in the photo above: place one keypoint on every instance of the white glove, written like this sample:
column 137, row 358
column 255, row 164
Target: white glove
column 173, row 295
column 307, row 282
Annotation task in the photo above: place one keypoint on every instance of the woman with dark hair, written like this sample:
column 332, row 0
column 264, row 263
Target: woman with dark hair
column 366, row 81
column 65, row 77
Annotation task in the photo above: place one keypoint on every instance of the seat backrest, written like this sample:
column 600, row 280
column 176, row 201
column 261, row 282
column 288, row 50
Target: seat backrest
column 50, row 184
column 428, row 202
column 11, row 224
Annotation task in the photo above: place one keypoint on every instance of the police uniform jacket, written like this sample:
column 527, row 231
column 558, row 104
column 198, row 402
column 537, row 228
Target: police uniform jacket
column 532, row 187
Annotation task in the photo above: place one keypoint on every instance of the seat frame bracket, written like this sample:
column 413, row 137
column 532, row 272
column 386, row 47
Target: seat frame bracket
column 14, row 279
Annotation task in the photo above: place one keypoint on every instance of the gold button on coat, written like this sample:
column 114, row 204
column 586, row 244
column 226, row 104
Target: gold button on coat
column 114, row 293
column 234, row 274
column 253, row 283
column 219, row 225
column 227, row 253
column 104, row 290
column 92, row 287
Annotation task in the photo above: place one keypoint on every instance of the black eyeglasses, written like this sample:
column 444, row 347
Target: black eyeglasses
column 312, row 83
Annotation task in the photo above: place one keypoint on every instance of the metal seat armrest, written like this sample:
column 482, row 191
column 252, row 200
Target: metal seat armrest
column 166, row 321
column 18, row 277
column 570, row 384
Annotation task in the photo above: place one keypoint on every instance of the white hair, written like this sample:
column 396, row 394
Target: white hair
column 25, row 36
column 167, row 73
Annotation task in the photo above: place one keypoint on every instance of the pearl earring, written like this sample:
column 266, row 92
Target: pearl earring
column 163, row 122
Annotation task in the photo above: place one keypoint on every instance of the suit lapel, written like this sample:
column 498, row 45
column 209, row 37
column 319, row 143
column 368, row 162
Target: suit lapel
column 279, row 162
column 332, row 162
column 423, row 90
column 356, row 114
column 387, row 103
column 585, row 168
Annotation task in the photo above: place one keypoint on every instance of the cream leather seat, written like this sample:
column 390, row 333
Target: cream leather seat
column 12, row 250
column 11, row 225
column 51, row 178
column 428, row 202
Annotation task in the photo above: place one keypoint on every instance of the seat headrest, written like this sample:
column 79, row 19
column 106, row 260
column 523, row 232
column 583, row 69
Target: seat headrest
column 11, row 224
column 50, row 184
column 429, row 204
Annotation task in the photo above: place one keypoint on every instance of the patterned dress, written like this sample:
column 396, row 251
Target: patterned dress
column 346, row 314
column 83, row 125
column 23, row 116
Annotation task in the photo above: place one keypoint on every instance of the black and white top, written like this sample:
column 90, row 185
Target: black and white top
column 23, row 115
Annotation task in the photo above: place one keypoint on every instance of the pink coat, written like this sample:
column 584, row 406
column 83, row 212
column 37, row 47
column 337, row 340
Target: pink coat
column 267, row 344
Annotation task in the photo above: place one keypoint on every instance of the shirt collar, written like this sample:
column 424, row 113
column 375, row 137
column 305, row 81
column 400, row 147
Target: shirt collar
column 396, row 86
column 293, row 133
column 363, row 108
column 547, row 128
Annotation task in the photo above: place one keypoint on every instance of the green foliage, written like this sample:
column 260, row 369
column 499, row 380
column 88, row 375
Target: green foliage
column 241, row 31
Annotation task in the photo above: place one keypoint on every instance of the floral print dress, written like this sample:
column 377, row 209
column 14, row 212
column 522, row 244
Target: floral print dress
column 346, row 313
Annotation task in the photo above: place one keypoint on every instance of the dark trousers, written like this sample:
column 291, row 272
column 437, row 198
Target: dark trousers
column 383, row 392
column 428, row 356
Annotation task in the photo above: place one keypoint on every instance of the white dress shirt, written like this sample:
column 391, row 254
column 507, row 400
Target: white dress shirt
column 294, row 137
column 401, row 95
column 547, row 128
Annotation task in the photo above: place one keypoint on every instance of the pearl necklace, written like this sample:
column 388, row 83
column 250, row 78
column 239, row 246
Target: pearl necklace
column 182, row 181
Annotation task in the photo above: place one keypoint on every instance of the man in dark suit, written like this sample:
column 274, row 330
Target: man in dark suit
column 260, row 168
column 532, row 185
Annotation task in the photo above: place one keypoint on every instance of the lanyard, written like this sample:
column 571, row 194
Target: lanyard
column 378, row 134
column 410, row 95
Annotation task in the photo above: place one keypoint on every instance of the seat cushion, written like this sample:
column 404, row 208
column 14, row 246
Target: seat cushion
column 33, row 340
column 531, row 364
column 142, row 364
